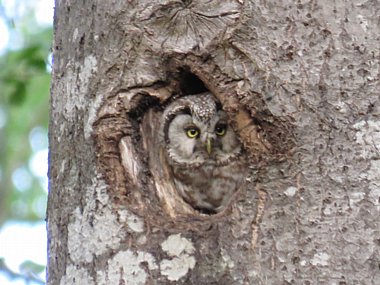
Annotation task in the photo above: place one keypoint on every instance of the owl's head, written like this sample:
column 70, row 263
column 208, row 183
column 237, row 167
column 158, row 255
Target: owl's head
column 196, row 132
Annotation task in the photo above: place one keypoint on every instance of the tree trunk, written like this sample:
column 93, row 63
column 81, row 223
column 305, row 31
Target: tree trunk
column 300, row 83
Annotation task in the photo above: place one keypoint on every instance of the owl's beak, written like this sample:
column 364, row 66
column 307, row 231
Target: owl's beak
column 208, row 145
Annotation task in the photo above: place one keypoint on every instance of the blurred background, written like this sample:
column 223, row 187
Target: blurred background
column 25, row 65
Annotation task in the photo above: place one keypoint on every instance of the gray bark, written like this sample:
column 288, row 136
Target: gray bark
column 300, row 81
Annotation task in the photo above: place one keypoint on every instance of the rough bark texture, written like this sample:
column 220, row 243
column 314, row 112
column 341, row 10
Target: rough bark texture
column 300, row 81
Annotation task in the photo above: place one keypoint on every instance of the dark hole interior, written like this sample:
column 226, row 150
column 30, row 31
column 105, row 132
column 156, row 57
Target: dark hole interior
column 190, row 83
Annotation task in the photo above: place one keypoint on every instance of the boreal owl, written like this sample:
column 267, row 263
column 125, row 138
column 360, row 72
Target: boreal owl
column 206, row 158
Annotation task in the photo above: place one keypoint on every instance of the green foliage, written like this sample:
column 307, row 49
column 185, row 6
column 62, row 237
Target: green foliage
column 24, row 101
column 29, row 270
column 29, row 267
column 18, row 69
column 24, row 98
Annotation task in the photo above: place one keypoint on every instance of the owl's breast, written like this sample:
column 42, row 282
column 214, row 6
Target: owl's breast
column 209, row 186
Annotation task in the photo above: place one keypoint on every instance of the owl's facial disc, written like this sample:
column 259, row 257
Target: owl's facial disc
column 193, row 132
column 208, row 135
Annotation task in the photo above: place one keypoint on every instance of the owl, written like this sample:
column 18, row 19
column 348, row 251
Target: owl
column 206, row 158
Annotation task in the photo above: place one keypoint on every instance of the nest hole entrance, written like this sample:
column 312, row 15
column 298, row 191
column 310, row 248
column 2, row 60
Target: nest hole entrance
column 189, row 83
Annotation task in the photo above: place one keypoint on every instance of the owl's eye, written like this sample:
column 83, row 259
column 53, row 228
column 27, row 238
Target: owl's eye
column 220, row 129
column 192, row 132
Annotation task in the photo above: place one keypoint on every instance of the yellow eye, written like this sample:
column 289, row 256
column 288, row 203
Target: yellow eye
column 192, row 132
column 220, row 130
